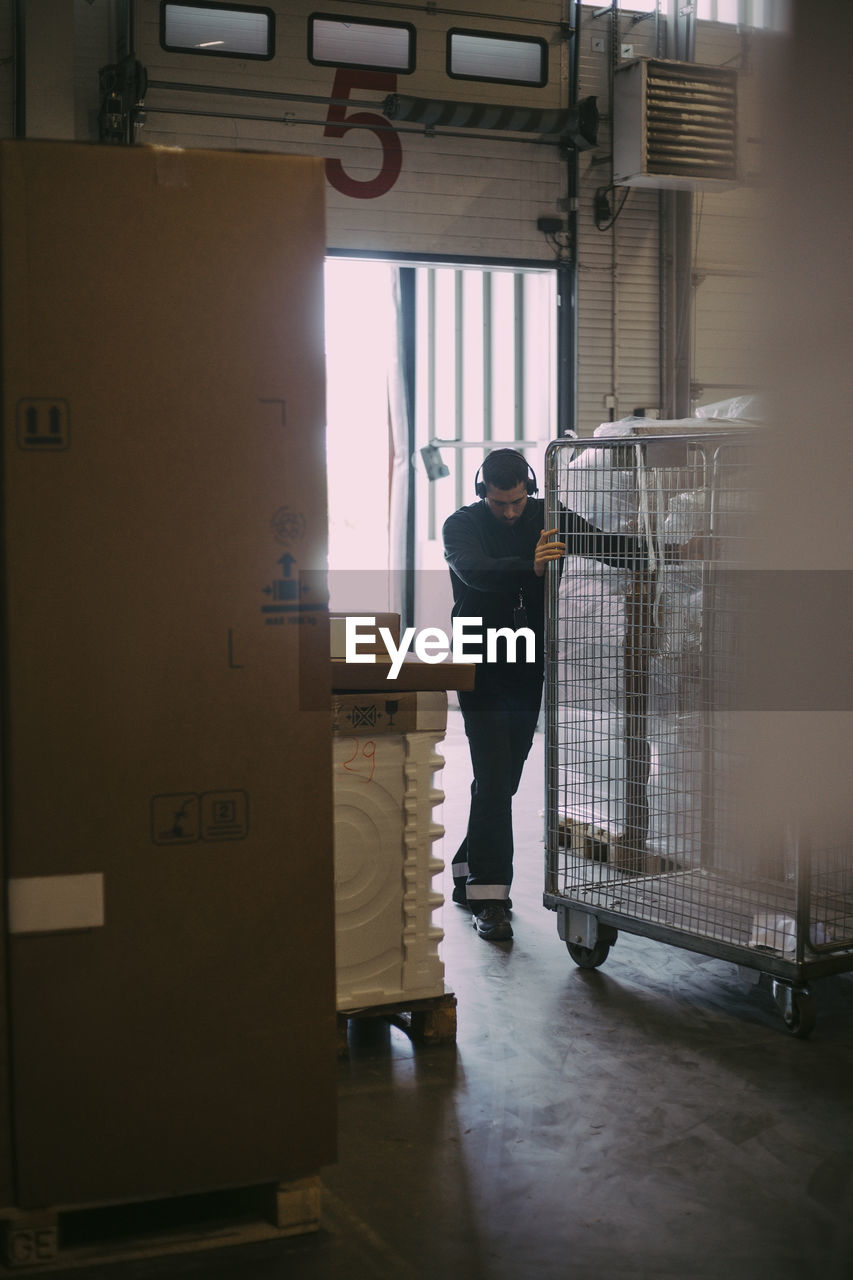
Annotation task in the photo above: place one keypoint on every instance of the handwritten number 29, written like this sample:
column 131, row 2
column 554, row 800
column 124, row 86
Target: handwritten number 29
column 362, row 751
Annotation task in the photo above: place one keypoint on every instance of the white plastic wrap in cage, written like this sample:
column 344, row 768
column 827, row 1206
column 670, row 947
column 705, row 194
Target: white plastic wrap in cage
column 592, row 635
column 597, row 488
column 675, row 508
column 592, row 606
column 592, row 657
column 592, row 769
column 674, row 789
column 675, row 656
column 721, row 413
column 687, row 517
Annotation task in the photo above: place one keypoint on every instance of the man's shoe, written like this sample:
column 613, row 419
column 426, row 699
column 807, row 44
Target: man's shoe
column 492, row 923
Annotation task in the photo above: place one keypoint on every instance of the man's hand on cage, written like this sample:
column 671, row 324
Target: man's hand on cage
column 546, row 551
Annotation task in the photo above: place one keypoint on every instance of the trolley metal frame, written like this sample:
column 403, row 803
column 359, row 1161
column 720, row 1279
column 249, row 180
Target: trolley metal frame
column 618, row 854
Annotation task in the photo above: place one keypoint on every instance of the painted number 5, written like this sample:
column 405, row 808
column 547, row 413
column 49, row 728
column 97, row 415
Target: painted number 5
column 339, row 122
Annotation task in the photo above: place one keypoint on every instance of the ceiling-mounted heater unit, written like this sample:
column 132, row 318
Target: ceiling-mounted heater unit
column 674, row 125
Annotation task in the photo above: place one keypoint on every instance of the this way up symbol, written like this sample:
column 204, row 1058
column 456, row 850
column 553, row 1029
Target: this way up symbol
column 287, row 588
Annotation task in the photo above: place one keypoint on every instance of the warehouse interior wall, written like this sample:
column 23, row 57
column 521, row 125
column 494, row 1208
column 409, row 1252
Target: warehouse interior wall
column 633, row 330
column 464, row 195
column 391, row 189
column 466, row 208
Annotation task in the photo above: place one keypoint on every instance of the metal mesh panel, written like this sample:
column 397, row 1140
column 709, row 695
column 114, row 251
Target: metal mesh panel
column 642, row 670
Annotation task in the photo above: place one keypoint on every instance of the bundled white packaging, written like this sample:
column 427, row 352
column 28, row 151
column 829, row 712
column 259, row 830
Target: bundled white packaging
column 618, row 495
column 385, row 862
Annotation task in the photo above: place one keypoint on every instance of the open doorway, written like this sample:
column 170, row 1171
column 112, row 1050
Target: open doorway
column 361, row 368
column 482, row 373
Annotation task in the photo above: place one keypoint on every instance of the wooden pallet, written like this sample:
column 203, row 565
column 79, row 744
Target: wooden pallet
column 600, row 845
column 429, row 1021
column 64, row 1238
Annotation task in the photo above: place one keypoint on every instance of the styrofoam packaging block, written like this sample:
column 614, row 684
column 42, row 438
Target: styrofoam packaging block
column 385, row 862
column 423, row 971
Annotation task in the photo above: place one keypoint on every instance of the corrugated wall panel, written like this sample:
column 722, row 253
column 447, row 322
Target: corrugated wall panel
column 453, row 196
column 637, row 256
column 725, row 360
column 618, row 289
column 477, row 198
column 596, row 288
column 728, row 236
column 94, row 47
column 446, row 202
column 619, row 269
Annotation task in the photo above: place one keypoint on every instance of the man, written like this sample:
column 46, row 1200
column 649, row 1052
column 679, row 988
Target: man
column 498, row 549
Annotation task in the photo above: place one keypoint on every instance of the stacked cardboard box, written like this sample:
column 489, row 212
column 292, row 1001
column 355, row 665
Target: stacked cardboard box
column 171, row 1013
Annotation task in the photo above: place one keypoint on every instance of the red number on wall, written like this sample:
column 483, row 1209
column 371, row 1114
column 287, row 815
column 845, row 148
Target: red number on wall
column 339, row 122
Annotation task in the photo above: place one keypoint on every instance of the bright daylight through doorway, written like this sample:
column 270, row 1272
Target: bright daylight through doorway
column 485, row 355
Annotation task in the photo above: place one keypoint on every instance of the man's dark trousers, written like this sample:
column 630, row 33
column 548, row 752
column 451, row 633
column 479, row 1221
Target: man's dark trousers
column 499, row 723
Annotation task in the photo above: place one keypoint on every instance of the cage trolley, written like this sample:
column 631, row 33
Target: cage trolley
column 640, row 662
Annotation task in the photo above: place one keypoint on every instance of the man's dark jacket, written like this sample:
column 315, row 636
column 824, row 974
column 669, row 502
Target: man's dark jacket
column 492, row 575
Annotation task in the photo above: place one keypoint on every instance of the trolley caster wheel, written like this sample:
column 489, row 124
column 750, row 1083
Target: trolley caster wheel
column 589, row 957
column 795, row 1004
column 800, row 1018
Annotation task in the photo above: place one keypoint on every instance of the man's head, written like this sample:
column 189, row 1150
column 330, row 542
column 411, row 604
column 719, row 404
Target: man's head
column 506, row 484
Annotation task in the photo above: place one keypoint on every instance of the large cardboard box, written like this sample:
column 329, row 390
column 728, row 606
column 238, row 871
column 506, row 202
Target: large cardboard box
column 348, row 677
column 168, row 793
column 372, row 641
column 366, row 714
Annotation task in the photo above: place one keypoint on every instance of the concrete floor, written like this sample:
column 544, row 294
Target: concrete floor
column 648, row 1120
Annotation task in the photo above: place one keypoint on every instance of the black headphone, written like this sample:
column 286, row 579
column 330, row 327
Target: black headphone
column 532, row 484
